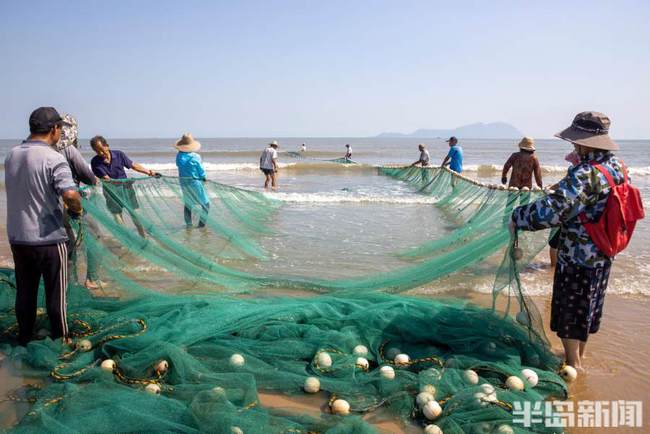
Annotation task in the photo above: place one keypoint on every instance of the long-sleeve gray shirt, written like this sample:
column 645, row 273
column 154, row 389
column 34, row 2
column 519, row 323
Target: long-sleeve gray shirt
column 81, row 171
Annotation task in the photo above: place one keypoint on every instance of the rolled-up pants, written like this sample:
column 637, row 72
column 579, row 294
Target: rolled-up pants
column 31, row 263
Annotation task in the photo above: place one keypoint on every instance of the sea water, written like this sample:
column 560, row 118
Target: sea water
column 341, row 221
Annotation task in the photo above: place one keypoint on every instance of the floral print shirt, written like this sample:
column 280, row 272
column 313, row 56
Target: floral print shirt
column 584, row 189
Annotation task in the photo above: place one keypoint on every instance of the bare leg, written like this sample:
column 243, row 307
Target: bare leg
column 139, row 227
column 553, row 254
column 267, row 179
column 572, row 352
column 583, row 348
column 273, row 181
column 118, row 218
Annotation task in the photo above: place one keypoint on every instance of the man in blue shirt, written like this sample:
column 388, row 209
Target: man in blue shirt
column 455, row 156
column 109, row 165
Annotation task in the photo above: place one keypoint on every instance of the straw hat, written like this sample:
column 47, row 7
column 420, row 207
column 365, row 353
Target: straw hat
column 187, row 144
column 274, row 143
column 590, row 129
column 527, row 144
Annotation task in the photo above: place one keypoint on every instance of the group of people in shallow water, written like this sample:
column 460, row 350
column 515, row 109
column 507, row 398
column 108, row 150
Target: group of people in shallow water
column 47, row 168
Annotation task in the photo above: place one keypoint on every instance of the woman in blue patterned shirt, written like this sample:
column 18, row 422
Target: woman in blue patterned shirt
column 582, row 271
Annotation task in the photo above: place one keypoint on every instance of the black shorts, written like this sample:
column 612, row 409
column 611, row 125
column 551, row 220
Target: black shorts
column 267, row 171
column 578, row 299
column 119, row 196
column 555, row 240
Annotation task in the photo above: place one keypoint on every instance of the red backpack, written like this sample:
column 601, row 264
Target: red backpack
column 612, row 232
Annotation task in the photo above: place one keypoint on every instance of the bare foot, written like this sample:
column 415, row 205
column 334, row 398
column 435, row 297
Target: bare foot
column 97, row 288
column 91, row 284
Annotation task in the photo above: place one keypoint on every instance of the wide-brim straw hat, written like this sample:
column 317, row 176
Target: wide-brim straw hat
column 187, row 144
column 527, row 144
column 274, row 143
column 590, row 129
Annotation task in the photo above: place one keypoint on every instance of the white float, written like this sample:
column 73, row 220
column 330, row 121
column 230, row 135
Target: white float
column 387, row 372
column 402, row 359
column 514, row 383
column 84, row 345
column 569, row 373
column 432, row 410
column 152, row 388
column 362, row 363
column 218, row 391
column 488, row 389
column 162, row 367
column 324, row 360
column 360, row 351
column 108, row 365
column 530, row 376
column 341, row 407
column 505, row 429
column 237, row 360
column 432, row 429
column 471, row 377
column 312, row 385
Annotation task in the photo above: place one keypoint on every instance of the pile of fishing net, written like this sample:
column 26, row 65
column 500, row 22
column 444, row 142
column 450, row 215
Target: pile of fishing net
column 220, row 352
column 178, row 347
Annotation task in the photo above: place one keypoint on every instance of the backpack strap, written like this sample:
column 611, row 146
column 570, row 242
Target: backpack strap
column 610, row 180
column 608, row 175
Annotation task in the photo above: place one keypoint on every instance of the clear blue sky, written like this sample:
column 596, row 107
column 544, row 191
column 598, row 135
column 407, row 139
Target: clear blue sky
column 323, row 68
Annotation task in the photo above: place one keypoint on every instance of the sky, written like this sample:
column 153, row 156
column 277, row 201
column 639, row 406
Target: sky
column 323, row 68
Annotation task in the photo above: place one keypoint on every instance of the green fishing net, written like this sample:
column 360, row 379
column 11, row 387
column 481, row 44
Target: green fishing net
column 227, row 341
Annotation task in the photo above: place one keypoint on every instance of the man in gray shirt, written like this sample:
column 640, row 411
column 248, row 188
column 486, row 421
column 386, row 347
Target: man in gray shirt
column 36, row 175
column 424, row 156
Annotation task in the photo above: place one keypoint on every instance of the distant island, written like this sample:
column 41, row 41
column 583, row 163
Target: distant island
column 479, row 130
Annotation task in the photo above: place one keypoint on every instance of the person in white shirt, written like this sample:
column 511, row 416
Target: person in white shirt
column 424, row 156
column 303, row 148
column 348, row 152
column 269, row 164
